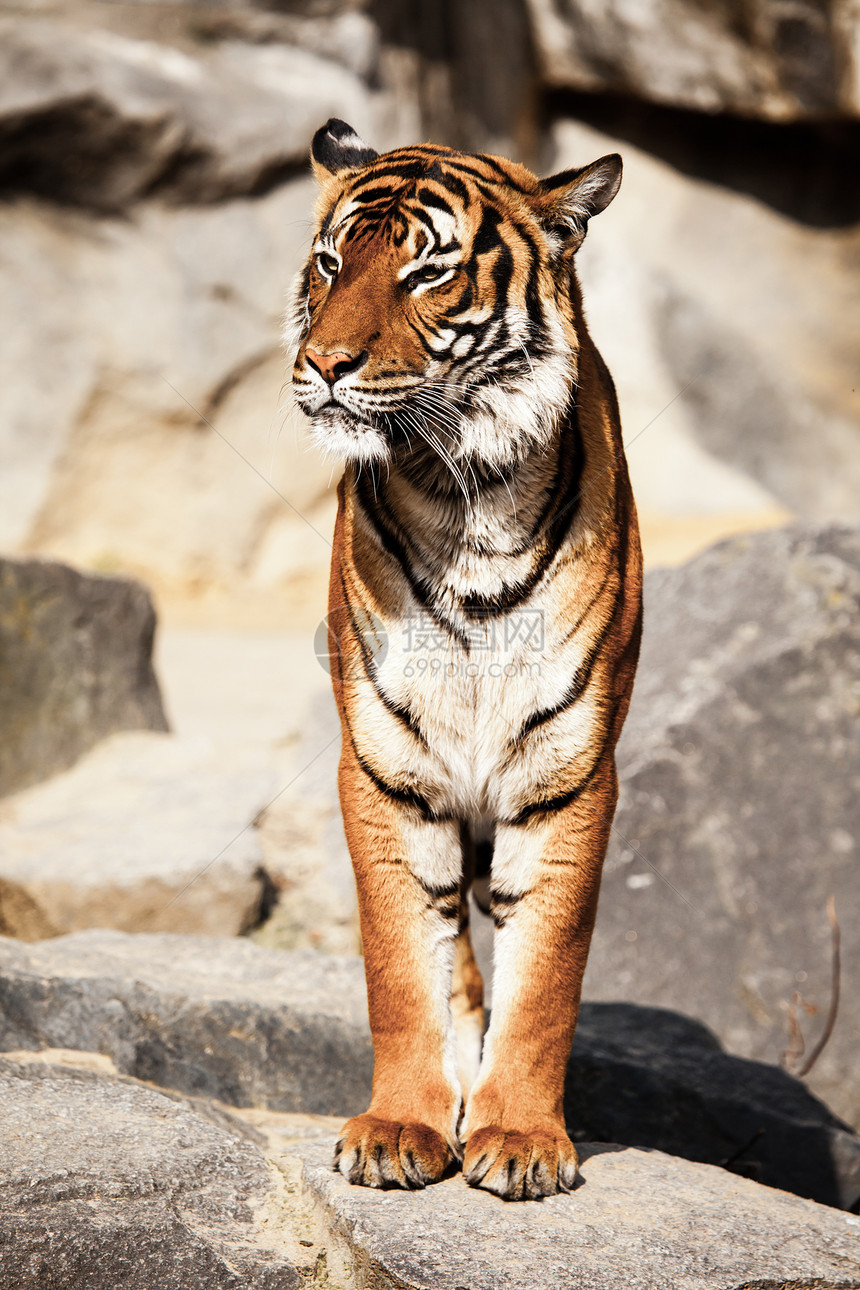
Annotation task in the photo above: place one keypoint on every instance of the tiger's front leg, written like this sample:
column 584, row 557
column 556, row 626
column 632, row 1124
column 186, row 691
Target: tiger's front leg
column 545, row 884
column 408, row 874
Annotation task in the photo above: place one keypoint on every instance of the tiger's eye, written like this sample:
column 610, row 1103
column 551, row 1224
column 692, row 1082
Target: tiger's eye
column 327, row 264
column 426, row 274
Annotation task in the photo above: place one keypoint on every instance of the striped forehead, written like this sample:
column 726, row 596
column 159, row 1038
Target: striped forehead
column 414, row 216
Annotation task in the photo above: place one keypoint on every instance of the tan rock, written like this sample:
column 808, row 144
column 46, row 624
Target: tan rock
column 782, row 61
column 732, row 335
column 146, row 833
column 101, row 117
column 177, row 319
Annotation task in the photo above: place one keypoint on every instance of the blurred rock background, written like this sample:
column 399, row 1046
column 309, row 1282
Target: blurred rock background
column 155, row 202
column 155, row 195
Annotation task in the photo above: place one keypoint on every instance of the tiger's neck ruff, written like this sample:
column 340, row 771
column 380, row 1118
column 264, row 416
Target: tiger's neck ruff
column 484, row 622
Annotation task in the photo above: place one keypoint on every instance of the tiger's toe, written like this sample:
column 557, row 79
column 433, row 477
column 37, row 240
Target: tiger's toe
column 373, row 1152
column 520, row 1166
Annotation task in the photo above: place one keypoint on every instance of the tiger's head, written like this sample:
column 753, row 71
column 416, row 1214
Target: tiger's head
column 436, row 307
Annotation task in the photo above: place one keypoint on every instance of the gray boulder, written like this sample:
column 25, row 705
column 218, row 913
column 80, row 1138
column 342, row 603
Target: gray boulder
column 740, row 810
column 779, row 62
column 104, row 1182
column 213, row 1017
column 76, row 655
column 639, row 1220
column 288, row 1031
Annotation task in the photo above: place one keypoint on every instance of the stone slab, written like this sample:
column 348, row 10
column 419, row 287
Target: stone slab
column 638, row 1220
column 103, row 118
column 215, row 1017
column 649, row 1077
column 106, row 1181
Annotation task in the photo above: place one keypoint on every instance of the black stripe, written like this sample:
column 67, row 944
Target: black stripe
column 485, row 191
column 425, row 219
column 504, row 897
column 434, row 163
column 423, row 339
column 483, row 858
column 404, row 796
column 403, row 714
column 502, row 906
column 420, row 588
column 454, row 186
column 578, row 685
column 324, row 227
column 503, row 174
column 444, row 900
column 514, row 594
column 447, row 892
column 465, row 301
column 563, row 517
column 428, row 198
column 427, row 150
column 487, row 237
column 379, row 193
column 503, row 271
column 534, row 303
column 551, row 805
column 406, row 169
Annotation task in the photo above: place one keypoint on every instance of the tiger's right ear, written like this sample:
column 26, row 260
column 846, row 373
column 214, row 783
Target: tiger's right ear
column 336, row 148
column 570, row 199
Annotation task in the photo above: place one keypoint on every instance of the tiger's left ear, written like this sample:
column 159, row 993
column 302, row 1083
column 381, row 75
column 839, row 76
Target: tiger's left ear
column 336, row 148
column 569, row 199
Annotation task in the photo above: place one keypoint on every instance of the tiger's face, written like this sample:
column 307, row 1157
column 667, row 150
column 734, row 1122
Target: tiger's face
column 435, row 309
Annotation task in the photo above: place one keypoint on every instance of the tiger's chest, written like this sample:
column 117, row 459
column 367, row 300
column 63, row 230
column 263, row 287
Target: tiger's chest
column 464, row 721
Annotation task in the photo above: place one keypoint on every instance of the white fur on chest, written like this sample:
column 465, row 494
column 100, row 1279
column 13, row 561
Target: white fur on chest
column 470, row 707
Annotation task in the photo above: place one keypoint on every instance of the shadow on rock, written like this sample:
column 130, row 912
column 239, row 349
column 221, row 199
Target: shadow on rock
column 649, row 1077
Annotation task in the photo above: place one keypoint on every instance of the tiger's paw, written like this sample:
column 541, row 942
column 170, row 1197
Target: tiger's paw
column 520, row 1166
column 387, row 1153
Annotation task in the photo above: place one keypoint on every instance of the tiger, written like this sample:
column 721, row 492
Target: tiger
column 484, row 619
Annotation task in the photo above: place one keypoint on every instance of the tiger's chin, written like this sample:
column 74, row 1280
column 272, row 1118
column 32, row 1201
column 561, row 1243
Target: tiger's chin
column 339, row 433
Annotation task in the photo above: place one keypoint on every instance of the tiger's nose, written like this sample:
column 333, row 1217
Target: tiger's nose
column 332, row 367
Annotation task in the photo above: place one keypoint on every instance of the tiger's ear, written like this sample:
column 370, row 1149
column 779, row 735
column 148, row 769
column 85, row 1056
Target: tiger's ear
column 337, row 148
column 573, row 196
